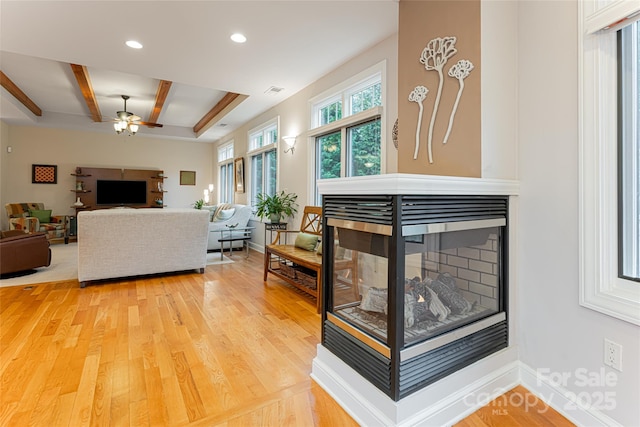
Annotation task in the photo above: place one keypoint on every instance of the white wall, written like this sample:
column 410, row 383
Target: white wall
column 295, row 170
column 556, row 333
column 4, row 160
column 69, row 148
column 499, row 23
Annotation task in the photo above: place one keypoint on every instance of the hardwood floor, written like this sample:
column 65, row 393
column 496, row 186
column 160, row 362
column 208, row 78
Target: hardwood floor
column 185, row 349
column 212, row 349
column 517, row 407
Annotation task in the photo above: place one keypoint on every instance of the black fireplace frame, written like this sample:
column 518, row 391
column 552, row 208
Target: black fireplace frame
column 394, row 368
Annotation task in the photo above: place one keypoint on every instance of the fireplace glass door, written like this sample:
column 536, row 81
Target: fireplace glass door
column 452, row 277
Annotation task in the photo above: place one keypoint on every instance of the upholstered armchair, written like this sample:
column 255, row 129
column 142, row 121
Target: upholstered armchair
column 33, row 218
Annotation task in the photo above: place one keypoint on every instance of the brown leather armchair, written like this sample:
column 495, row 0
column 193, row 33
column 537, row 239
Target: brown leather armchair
column 20, row 251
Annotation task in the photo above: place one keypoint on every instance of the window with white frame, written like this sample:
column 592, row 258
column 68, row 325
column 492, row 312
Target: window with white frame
column 263, row 143
column 225, row 173
column 347, row 129
column 609, row 183
column 629, row 151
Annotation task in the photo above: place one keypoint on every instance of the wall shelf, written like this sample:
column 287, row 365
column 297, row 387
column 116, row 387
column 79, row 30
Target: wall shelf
column 153, row 177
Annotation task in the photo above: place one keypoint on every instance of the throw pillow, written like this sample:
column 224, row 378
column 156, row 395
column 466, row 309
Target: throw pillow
column 306, row 241
column 221, row 207
column 44, row 216
column 225, row 214
column 319, row 250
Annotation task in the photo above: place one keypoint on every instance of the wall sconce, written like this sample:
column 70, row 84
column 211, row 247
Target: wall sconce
column 208, row 194
column 290, row 141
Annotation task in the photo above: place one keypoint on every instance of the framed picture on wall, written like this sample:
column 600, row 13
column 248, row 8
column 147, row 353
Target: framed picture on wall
column 44, row 174
column 187, row 177
column 238, row 166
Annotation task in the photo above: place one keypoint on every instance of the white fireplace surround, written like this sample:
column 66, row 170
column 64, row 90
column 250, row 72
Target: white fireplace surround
column 455, row 395
column 463, row 392
column 410, row 184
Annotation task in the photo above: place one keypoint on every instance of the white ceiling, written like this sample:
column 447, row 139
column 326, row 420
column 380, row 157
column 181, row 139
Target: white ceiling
column 290, row 45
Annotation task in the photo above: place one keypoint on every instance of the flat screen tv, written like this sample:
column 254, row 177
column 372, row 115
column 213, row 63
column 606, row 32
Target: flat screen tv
column 121, row 192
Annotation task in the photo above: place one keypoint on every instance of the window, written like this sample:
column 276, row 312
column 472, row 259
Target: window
column 330, row 112
column 225, row 173
column 263, row 159
column 348, row 129
column 629, row 152
column 608, row 141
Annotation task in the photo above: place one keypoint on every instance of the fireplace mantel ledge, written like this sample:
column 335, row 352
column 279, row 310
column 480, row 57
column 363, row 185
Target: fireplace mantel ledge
column 399, row 183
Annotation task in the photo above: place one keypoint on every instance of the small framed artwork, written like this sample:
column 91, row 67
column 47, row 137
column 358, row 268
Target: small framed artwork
column 187, row 177
column 238, row 166
column 44, row 174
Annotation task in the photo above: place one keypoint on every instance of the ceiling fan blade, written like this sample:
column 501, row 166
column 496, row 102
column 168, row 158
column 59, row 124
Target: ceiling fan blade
column 151, row 125
column 134, row 118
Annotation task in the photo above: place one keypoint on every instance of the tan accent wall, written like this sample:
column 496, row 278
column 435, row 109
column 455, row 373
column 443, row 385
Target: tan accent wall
column 71, row 148
column 420, row 22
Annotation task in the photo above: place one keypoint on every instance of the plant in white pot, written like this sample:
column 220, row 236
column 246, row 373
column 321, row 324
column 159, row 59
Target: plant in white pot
column 276, row 206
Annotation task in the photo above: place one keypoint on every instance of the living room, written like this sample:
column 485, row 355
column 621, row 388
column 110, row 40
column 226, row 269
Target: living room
column 530, row 133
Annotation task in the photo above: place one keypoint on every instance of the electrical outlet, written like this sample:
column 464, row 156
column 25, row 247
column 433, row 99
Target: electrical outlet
column 613, row 355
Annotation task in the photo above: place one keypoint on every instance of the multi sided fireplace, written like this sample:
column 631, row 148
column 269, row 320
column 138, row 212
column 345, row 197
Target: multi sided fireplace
column 415, row 286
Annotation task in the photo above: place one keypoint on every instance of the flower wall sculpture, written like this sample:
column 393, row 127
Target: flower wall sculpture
column 418, row 95
column 459, row 71
column 434, row 57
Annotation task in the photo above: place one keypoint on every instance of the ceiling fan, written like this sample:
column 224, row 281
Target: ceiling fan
column 129, row 121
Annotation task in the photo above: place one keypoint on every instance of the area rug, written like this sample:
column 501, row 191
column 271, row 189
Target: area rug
column 64, row 266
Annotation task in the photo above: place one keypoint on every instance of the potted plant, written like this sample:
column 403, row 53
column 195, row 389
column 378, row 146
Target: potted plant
column 198, row 204
column 276, row 206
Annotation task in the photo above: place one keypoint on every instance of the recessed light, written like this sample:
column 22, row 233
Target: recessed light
column 134, row 44
column 238, row 38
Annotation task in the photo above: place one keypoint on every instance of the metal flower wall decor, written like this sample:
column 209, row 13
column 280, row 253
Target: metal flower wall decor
column 434, row 57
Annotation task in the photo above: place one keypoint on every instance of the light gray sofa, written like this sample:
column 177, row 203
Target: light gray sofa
column 241, row 215
column 116, row 243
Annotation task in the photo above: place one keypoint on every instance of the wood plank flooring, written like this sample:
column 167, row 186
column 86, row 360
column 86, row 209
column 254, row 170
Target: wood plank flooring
column 517, row 407
column 212, row 349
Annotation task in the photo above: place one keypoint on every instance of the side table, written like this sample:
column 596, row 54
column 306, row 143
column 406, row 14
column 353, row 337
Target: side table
column 233, row 235
column 271, row 227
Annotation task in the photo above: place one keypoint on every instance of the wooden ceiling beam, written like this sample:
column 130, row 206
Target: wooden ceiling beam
column 161, row 96
column 18, row 94
column 222, row 108
column 82, row 76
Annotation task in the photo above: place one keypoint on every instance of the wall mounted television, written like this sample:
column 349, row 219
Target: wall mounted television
column 121, row 192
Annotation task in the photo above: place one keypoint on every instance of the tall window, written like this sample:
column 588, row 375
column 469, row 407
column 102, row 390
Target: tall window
column 225, row 173
column 348, row 129
column 609, row 159
column 263, row 158
column 629, row 151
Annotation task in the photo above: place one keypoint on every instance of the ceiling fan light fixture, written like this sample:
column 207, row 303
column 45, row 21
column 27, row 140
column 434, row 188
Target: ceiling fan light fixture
column 129, row 121
column 133, row 44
